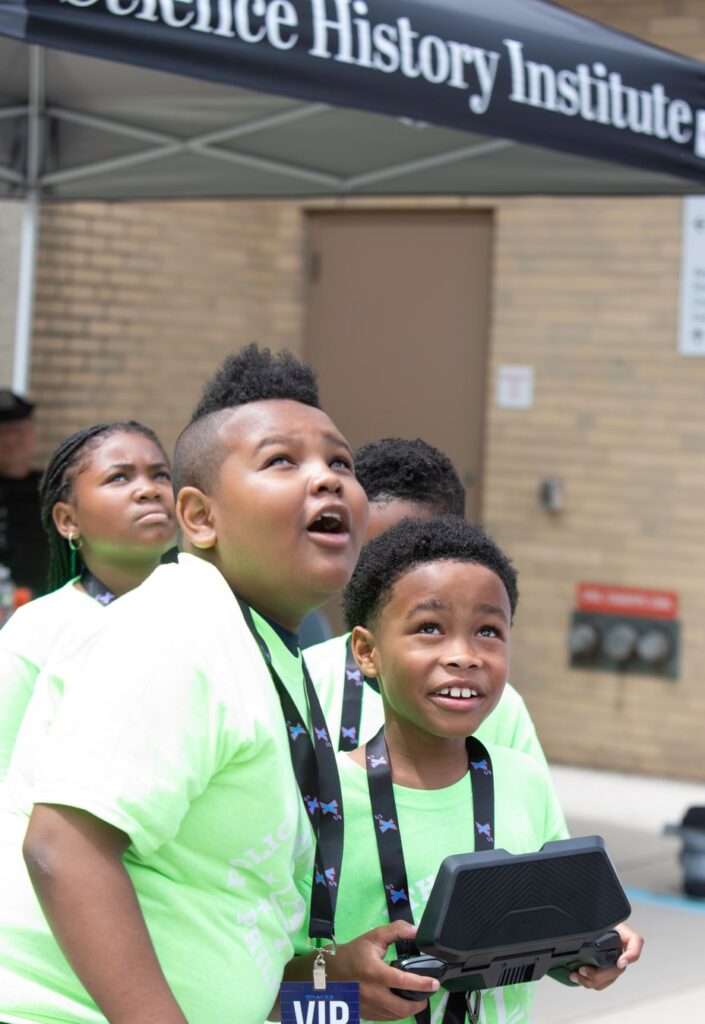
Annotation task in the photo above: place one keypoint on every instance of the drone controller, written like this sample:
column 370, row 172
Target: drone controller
column 495, row 918
column 602, row 952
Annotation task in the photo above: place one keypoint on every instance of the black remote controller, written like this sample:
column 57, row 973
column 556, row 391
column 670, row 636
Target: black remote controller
column 601, row 952
column 429, row 966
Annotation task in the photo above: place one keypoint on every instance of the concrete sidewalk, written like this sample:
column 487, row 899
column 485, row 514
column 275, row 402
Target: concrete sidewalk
column 668, row 983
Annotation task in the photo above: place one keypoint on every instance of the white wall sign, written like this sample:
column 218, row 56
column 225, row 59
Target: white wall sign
column 691, row 331
column 515, row 387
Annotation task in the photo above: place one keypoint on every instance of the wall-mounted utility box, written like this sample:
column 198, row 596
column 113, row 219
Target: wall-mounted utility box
column 619, row 629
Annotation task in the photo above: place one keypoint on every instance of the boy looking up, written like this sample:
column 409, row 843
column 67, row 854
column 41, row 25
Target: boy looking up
column 402, row 478
column 430, row 606
column 168, row 834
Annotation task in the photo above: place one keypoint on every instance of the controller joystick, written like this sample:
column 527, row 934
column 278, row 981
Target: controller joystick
column 422, row 964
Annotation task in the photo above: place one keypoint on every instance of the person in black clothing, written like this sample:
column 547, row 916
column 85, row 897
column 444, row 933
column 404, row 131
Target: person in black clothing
column 23, row 544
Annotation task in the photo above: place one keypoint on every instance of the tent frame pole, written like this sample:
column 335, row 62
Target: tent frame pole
column 25, row 294
column 30, row 225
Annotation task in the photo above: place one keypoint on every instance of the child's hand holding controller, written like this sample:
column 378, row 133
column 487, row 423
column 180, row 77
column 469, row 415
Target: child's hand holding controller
column 362, row 960
column 598, row 978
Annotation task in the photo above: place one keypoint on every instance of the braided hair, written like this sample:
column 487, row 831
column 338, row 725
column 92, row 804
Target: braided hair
column 66, row 462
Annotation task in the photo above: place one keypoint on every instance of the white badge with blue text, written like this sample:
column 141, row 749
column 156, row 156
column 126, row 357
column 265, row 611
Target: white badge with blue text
column 337, row 1003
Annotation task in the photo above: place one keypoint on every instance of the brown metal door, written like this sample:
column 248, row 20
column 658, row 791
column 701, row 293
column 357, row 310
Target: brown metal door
column 398, row 307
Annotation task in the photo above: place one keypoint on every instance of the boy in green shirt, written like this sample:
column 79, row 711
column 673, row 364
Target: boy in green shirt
column 430, row 605
column 403, row 478
column 169, row 840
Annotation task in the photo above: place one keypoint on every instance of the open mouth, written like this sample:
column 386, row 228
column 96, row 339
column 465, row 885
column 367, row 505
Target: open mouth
column 456, row 698
column 457, row 692
column 330, row 522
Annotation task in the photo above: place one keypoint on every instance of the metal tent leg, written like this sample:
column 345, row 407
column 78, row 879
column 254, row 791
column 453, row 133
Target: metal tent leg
column 25, row 295
column 30, row 223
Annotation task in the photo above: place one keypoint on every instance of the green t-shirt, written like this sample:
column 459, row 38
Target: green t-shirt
column 170, row 729
column 435, row 824
column 26, row 642
column 509, row 725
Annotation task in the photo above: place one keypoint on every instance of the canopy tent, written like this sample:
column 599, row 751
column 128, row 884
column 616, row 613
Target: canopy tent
column 125, row 99
column 310, row 97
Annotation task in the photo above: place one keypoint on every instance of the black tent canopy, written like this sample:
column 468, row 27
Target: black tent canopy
column 128, row 99
column 124, row 99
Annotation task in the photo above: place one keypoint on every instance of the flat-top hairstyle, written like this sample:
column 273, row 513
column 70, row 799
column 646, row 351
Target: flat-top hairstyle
column 396, row 468
column 410, row 544
column 251, row 375
column 68, row 460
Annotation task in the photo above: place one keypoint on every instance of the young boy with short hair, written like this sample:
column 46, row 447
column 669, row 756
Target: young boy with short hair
column 169, row 835
column 402, row 478
column 430, row 606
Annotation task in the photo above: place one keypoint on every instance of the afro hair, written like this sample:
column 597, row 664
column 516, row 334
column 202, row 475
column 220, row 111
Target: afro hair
column 254, row 375
column 251, row 375
column 396, row 468
column 415, row 542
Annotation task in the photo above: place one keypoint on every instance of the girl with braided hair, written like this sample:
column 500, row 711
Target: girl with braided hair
column 107, row 507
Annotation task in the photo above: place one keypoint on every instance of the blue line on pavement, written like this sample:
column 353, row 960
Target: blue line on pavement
column 692, row 904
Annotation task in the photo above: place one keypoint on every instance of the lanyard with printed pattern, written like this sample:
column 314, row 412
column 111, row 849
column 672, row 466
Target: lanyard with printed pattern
column 391, row 851
column 354, row 684
column 317, row 777
column 95, row 588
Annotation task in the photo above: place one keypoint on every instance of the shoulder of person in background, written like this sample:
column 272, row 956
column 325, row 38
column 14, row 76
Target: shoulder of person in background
column 315, row 629
column 23, row 547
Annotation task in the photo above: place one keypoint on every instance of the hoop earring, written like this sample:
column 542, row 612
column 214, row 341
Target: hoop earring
column 74, row 544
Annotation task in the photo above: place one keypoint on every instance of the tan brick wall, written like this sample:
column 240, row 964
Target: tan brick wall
column 674, row 24
column 138, row 302
column 587, row 294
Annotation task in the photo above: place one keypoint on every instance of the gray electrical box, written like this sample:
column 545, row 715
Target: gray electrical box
column 624, row 643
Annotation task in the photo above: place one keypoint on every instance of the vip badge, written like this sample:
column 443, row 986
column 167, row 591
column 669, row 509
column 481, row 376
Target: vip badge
column 338, row 1003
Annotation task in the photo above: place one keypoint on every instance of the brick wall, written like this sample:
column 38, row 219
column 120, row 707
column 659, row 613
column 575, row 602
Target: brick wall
column 587, row 294
column 674, row 24
column 137, row 303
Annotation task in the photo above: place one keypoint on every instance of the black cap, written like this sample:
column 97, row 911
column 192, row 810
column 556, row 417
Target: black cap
column 694, row 818
column 13, row 407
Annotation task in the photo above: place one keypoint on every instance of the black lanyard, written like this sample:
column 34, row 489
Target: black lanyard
column 391, row 851
column 353, row 686
column 316, row 773
column 95, row 589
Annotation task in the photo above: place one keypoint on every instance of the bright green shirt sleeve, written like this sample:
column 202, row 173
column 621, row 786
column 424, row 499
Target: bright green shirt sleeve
column 140, row 777
column 27, row 641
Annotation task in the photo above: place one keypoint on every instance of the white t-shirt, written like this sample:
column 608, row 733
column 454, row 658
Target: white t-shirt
column 26, row 642
column 171, row 730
